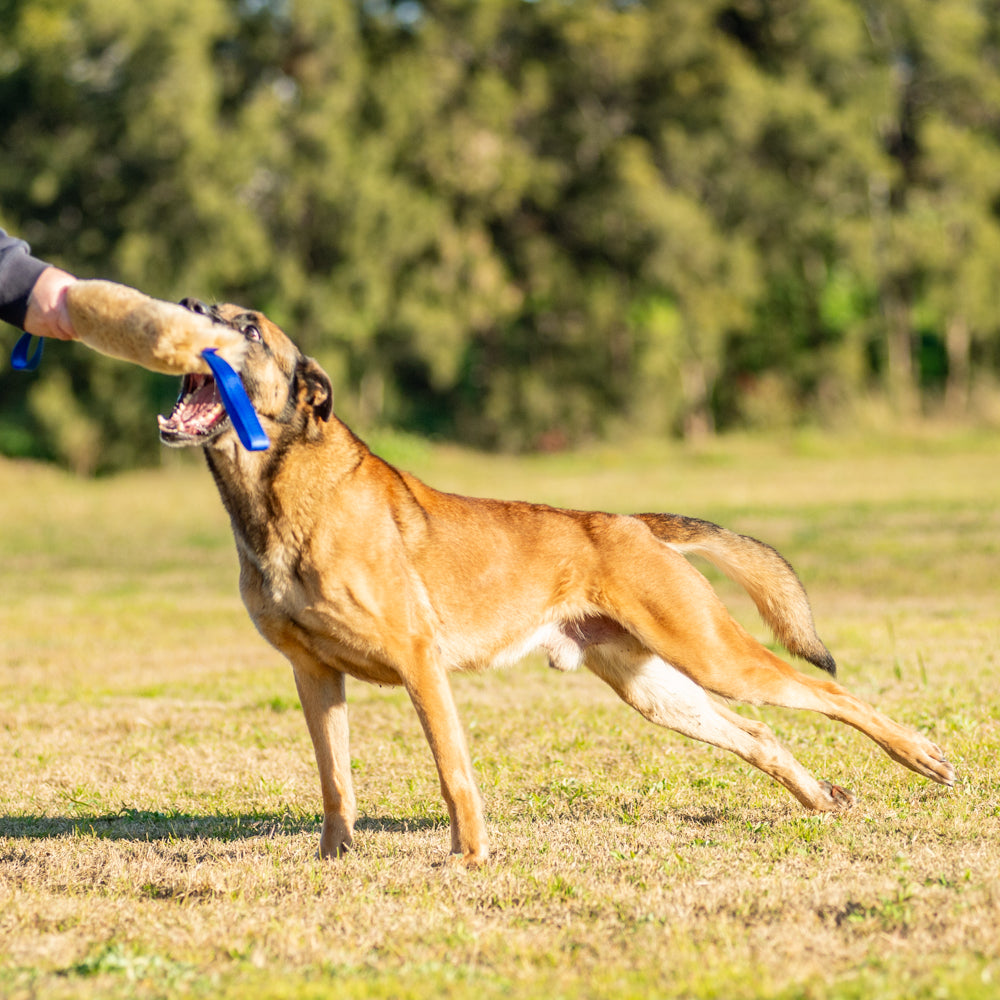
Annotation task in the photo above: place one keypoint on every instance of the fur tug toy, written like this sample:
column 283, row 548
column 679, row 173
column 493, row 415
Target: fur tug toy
column 123, row 323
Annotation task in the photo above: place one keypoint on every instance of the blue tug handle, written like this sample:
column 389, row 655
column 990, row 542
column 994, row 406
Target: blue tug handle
column 241, row 412
column 19, row 358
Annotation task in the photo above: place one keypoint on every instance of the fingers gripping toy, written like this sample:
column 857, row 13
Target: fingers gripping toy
column 123, row 323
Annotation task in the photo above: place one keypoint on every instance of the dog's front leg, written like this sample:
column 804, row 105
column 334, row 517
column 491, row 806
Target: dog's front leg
column 324, row 702
column 430, row 692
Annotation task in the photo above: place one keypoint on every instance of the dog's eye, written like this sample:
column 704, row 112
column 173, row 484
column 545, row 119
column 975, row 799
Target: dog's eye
column 251, row 331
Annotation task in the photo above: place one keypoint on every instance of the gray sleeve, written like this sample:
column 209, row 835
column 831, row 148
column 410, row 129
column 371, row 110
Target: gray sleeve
column 18, row 273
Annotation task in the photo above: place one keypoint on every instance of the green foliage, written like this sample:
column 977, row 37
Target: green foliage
column 520, row 224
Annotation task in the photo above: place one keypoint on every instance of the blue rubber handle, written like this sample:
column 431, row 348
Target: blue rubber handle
column 19, row 359
column 237, row 403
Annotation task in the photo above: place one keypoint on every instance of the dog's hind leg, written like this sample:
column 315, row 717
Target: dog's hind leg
column 671, row 608
column 663, row 695
column 324, row 703
column 765, row 679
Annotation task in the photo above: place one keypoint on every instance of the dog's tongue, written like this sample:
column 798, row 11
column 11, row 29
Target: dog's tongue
column 196, row 410
column 202, row 404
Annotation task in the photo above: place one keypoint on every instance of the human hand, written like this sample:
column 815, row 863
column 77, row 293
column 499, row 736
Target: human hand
column 47, row 315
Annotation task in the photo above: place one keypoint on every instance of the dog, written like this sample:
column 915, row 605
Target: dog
column 351, row 567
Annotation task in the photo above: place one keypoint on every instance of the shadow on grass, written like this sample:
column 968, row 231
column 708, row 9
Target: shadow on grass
column 147, row 824
column 706, row 817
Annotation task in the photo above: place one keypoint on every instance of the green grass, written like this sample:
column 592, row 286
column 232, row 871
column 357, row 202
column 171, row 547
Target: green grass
column 159, row 807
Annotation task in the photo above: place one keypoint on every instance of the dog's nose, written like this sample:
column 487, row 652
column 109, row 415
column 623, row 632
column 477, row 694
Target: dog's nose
column 196, row 306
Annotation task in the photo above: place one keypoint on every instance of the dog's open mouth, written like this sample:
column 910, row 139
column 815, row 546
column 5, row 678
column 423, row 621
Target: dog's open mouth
column 198, row 413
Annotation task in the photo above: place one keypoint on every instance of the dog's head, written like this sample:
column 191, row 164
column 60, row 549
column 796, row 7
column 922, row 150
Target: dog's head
column 289, row 391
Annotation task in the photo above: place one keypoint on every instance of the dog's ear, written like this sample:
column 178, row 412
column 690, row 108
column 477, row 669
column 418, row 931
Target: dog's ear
column 315, row 388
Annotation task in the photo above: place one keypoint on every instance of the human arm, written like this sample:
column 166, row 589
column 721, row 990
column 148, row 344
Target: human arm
column 33, row 292
column 47, row 315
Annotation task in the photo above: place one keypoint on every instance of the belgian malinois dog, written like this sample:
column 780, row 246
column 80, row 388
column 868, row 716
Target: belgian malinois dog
column 350, row 566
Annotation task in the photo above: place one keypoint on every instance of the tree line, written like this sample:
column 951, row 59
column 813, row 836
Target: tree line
column 520, row 223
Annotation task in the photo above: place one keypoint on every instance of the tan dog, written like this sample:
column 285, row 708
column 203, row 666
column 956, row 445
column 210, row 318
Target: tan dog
column 351, row 567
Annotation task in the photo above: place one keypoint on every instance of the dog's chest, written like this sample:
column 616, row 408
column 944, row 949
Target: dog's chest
column 269, row 577
column 281, row 582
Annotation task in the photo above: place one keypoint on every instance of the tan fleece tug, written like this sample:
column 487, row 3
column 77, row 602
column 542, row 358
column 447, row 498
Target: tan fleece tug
column 123, row 323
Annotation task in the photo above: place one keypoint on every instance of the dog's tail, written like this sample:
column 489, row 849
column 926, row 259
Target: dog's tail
column 765, row 574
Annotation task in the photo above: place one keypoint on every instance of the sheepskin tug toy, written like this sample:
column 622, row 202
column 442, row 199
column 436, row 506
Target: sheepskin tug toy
column 123, row 323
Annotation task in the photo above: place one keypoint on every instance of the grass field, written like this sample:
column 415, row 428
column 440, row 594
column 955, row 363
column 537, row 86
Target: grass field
column 159, row 806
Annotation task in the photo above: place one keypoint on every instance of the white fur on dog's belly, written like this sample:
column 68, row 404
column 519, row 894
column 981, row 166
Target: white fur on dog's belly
column 563, row 653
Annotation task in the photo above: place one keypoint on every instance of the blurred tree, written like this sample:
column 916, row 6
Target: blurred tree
column 794, row 175
column 519, row 223
column 110, row 116
column 935, row 216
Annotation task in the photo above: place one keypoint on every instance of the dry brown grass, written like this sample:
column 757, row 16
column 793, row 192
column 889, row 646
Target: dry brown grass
column 158, row 807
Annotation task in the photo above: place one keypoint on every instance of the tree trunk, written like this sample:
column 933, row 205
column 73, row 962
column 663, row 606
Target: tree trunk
column 900, row 376
column 958, row 344
column 695, row 385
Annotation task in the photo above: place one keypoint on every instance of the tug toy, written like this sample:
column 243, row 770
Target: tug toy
column 123, row 323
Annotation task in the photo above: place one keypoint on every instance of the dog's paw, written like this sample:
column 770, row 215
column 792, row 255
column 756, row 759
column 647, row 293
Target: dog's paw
column 470, row 859
column 336, row 839
column 924, row 757
column 937, row 767
column 840, row 798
